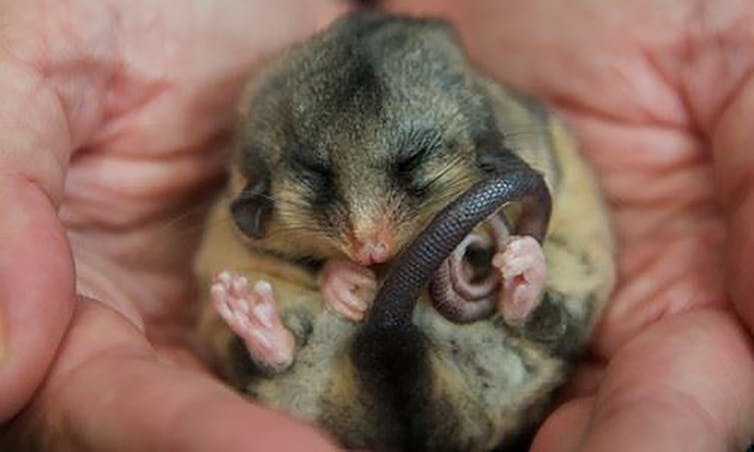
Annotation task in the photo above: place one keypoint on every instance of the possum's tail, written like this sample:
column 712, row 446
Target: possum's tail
column 390, row 352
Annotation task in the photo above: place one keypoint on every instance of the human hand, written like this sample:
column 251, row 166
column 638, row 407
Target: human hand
column 660, row 94
column 108, row 109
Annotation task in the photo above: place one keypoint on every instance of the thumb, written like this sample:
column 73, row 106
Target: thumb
column 36, row 267
column 110, row 390
column 733, row 145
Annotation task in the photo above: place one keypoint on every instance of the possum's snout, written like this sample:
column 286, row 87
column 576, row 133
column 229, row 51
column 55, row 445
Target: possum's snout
column 371, row 245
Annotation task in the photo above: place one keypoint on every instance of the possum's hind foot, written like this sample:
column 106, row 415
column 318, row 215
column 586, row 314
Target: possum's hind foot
column 347, row 288
column 523, row 271
column 252, row 314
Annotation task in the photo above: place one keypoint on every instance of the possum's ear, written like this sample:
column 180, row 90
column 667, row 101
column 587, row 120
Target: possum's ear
column 494, row 160
column 492, row 156
column 252, row 208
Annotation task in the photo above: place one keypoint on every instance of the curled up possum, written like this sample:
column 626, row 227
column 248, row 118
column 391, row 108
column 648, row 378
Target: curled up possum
column 409, row 255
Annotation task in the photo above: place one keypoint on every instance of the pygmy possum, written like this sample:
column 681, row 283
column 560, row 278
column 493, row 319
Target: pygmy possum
column 409, row 254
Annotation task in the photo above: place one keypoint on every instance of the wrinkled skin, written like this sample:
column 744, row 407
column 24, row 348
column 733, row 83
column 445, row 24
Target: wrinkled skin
column 108, row 106
column 107, row 111
column 660, row 93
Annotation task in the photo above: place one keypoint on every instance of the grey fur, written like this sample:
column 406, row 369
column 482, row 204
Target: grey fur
column 328, row 121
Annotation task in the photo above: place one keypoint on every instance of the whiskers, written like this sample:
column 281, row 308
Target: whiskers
column 527, row 131
column 298, row 203
column 188, row 222
column 294, row 227
column 455, row 164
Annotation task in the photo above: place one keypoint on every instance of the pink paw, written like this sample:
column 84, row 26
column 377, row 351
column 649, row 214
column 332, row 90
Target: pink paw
column 523, row 270
column 347, row 287
column 251, row 314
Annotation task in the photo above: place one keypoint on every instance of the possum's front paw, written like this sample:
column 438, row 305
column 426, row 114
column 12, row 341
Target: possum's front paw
column 523, row 271
column 347, row 287
column 252, row 314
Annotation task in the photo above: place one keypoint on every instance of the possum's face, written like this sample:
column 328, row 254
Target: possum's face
column 352, row 143
column 359, row 198
column 365, row 201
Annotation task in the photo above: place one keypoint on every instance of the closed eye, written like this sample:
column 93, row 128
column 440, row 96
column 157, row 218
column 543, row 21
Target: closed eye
column 408, row 164
column 415, row 147
column 312, row 167
column 313, row 173
column 407, row 174
column 318, row 181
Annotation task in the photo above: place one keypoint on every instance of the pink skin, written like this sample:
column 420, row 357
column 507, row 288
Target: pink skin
column 672, row 371
column 373, row 253
column 669, row 137
column 347, row 287
column 523, row 271
column 251, row 313
column 88, row 239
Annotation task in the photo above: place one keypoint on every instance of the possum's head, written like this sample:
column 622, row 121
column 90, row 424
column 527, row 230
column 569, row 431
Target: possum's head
column 352, row 141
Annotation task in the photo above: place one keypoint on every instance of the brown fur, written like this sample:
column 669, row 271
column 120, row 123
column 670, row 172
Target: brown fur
column 486, row 381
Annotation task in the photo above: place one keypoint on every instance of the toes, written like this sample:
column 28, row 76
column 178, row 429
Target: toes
column 219, row 297
column 238, row 299
column 349, row 272
column 252, row 314
column 225, row 277
column 522, row 255
column 273, row 348
column 263, row 290
column 516, row 264
column 346, row 294
column 360, row 276
column 523, row 269
column 346, row 287
column 344, row 302
column 240, row 286
column 264, row 315
column 264, row 309
column 361, row 280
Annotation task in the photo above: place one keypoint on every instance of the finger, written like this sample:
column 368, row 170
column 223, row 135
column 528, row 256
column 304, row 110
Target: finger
column 672, row 218
column 733, row 141
column 333, row 293
column 36, row 269
column 109, row 391
column 584, row 382
column 36, row 290
column 514, row 41
column 565, row 428
column 362, row 279
column 363, row 276
column 685, row 384
column 345, row 294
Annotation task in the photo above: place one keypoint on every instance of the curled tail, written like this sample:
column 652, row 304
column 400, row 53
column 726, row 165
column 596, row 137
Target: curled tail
column 390, row 352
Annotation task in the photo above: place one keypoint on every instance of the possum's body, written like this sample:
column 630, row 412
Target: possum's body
column 480, row 384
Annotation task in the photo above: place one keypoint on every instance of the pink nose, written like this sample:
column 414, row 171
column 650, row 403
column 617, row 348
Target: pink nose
column 373, row 253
